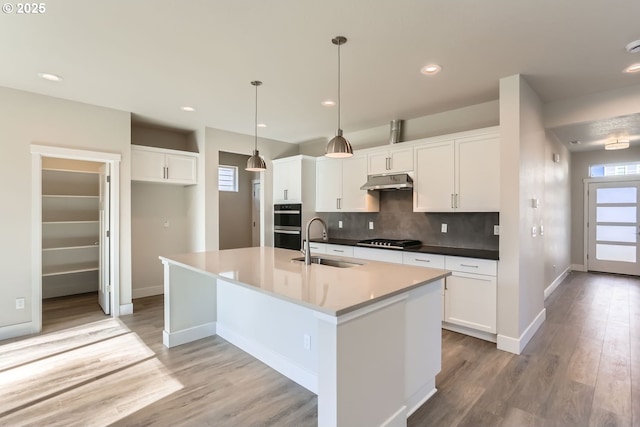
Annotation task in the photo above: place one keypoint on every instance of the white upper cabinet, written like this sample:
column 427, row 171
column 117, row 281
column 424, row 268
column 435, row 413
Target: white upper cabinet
column 161, row 165
column 293, row 180
column 390, row 160
column 461, row 175
column 338, row 184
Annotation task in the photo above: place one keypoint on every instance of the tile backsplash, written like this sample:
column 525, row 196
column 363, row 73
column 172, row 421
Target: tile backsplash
column 396, row 220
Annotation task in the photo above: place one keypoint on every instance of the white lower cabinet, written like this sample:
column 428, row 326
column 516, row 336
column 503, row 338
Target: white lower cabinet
column 340, row 250
column 471, row 293
column 373, row 254
column 318, row 248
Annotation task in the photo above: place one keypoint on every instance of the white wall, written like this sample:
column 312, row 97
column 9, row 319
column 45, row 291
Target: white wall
column 459, row 120
column 27, row 118
column 556, row 212
column 521, row 268
column 153, row 204
column 219, row 140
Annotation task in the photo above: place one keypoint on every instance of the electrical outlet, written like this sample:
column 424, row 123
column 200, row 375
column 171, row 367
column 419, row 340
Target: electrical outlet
column 534, row 231
column 306, row 342
column 370, row 225
column 496, row 230
column 166, row 224
column 443, row 228
column 19, row 303
column 339, row 224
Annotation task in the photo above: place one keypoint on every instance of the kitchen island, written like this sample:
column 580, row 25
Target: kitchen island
column 365, row 338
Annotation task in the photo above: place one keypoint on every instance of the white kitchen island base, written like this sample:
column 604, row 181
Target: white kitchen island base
column 371, row 366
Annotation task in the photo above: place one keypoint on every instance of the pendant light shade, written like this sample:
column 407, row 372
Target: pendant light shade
column 339, row 146
column 255, row 163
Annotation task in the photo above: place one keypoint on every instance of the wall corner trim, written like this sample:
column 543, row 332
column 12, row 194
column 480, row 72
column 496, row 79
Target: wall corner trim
column 554, row 285
column 516, row 345
column 126, row 309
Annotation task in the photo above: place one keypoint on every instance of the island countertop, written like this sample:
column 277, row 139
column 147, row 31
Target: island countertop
column 330, row 290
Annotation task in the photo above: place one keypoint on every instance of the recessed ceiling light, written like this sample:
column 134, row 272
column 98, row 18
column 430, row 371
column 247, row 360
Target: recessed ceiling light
column 633, row 68
column 431, row 69
column 50, row 77
column 188, row 109
column 262, row 125
column 328, row 103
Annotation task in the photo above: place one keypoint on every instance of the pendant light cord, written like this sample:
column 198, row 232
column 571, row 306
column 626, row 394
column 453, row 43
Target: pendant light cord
column 339, row 99
column 256, row 122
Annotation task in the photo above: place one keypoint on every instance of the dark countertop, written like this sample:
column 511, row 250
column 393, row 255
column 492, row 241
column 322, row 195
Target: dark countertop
column 440, row 250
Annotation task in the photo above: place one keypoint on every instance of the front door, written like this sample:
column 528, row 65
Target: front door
column 104, row 283
column 613, row 221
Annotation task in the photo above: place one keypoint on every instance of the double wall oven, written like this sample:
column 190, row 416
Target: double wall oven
column 287, row 226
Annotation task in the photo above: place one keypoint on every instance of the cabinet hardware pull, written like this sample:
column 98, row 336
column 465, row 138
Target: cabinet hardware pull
column 445, row 285
column 422, row 260
column 286, row 193
column 468, row 265
column 457, row 200
column 388, row 163
column 453, row 201
column 338, row 250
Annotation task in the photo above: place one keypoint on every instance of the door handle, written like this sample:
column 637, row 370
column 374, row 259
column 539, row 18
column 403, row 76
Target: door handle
column 286, row 194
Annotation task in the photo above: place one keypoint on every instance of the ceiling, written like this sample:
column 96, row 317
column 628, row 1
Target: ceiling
column 151, row 57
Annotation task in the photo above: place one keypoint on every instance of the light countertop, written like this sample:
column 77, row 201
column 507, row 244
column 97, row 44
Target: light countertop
column 331, row 290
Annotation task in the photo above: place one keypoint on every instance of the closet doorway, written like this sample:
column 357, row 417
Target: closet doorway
column 75, row 226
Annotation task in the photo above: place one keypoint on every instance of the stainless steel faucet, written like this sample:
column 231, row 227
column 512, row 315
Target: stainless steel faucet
column 306, row 250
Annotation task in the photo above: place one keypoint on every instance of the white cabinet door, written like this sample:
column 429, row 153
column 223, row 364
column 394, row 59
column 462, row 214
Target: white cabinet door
column 287, row 181
column 434, row 184
column 393, row 160
column 181, row 169
column 354, row 174
column 328, row 184
column 401, row 160
column 478, row 174
column 470, row 301
column 374, row 254
column 147, row 166
column 160, row 165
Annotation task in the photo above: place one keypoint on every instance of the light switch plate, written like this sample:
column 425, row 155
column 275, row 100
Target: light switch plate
column 443, row 228
column 534, row 231
column 339, row 224
column 370, row 225
column 19, row 303
column 496, row 230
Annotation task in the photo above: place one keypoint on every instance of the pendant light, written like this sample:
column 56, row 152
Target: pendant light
column 339, row 146
column 255, row 162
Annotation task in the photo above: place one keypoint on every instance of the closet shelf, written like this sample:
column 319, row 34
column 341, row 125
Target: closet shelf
column 71, row 196
column 70, row 243
column 69, row 222
column 69, row 269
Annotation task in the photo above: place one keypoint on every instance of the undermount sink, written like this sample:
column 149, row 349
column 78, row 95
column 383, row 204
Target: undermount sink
column 329, row 262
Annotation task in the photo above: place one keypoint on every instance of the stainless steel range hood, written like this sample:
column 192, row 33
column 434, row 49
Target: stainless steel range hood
column 401, row 181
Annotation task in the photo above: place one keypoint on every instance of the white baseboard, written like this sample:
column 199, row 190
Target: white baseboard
column 174, row 339
column 126, row 309
column 516, row 345
column 468, row 331
column 552, row 287
column 578, row 267
column 398, row 419
column 277, row 361
column 18, row 330
column 421, row 396
column 147, row 292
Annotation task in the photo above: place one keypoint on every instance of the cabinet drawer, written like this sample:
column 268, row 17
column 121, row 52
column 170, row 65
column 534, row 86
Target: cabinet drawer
column 384, row 255
column 340, row 250
column 318, row 248
column 423, row 260
column 471, row 265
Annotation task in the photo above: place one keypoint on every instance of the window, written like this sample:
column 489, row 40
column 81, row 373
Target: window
column 227, row 178
column 616, row 169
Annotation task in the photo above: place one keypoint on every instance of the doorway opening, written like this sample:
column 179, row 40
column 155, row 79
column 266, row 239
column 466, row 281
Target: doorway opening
column 75, row 223
column 613, row 221
column 239, row 202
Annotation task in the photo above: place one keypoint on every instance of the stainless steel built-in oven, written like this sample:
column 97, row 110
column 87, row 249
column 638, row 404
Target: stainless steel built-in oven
column 287, row 226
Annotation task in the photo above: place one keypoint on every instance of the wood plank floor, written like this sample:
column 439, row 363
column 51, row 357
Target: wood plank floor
column 582, row 368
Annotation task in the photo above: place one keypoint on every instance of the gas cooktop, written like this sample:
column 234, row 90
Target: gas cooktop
column 389, row 243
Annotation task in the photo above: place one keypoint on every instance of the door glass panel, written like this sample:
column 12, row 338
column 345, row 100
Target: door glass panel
column 616, row 195
column 616, row 214
column 615, row 253
column 616, row 233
